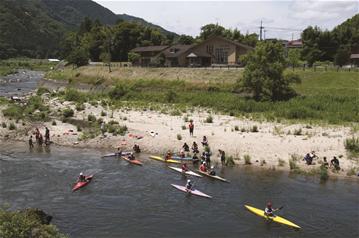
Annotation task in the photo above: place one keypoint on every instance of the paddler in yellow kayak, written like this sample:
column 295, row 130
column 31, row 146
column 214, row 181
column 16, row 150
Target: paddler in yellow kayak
column 168, row 156
column 268, row 211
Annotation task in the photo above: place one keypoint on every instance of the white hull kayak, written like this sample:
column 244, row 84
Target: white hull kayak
column 192, row 192
column 187, row 172
column 125, row 153
column 213, row 176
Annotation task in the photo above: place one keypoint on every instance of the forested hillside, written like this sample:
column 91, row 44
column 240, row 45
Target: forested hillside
column 36, row 28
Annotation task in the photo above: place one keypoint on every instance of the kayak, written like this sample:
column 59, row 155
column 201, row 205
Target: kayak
column 163, row 160
column 135, row 161
column 277, row 219
column 117, row 154
column 187, row 172
column 180, row 158
column 79, row 185
column 192, row 192
column 213, row 176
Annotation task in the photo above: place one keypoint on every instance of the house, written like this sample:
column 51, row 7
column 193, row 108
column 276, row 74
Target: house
column 214, row 51
column 293, row 44
column 354, row 58
column 148, row 53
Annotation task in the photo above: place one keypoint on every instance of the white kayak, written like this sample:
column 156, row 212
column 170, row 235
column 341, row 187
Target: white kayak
column 188, row 172
column 192, row 192
column 124, row 153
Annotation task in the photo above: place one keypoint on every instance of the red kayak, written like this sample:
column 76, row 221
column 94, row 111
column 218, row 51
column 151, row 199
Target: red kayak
column 134, row 161
column 79, row 185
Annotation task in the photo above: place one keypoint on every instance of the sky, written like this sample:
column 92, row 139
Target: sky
column 281, row 19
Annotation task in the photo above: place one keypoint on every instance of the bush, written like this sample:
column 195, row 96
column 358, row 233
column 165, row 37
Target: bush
column 80, row 107
column 352, row 144
column 209, row 119
column 254, row 128
column 68, row 112
column 103, row 114
column 12, row 126
column 236, row 128
column 74, row 96
column 13, row 111
column 170, row 96
column 112, row 122
column 118, row 92
column 91, row 117
column 27, row 223
column 293, row 164
column 185, row 118
column 229, row 161
column 184, row 127
column 281, row 162
column 79, row 128
column 40, row 91
column 179, row 137
column 54, row 123
column 247, row 159
column 3, row 125
column 297, row 132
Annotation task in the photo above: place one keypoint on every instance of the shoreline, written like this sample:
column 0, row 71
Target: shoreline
column 271, row 144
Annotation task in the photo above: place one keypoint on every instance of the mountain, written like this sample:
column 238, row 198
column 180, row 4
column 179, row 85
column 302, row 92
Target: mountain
column 35, row 28
column 141, row 21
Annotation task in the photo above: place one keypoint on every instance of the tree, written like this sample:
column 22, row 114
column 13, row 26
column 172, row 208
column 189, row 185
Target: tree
column 133, row 57
column 342, row 57
column 185, row 40
column 294, row 57
column 106, row 55
column 78, row 57
column 210, row 30
column 263, row 73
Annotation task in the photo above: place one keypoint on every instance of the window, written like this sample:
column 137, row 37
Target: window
column 221, row 56
column 210, row 49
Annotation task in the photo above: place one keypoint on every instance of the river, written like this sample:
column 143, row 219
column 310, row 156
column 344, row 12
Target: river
column 131, row 201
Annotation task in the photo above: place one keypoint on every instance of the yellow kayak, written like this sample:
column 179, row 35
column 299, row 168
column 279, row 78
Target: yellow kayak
column 278, row 219
column 163, row 160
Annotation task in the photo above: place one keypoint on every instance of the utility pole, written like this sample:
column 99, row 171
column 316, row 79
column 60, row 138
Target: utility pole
column 261, row 32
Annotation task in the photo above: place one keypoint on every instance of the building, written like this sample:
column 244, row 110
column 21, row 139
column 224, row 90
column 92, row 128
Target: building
column 214, row 51
column 354, row 58
column 295, row 44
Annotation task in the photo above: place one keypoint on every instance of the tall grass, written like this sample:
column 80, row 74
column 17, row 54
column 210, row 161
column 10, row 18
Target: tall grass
column 329, row 97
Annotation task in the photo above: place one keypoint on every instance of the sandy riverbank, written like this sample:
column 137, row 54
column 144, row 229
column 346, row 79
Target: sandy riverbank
column 273, row 141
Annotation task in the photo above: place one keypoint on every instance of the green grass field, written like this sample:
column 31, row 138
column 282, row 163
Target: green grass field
column 329, row 97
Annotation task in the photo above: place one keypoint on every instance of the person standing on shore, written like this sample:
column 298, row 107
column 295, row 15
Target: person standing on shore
column 191, row 127
column 37, row 135
column 103, row 128
column 47, row 136
column 31, row 144
column 222, row 156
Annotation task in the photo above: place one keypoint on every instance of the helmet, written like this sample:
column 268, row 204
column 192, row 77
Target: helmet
column 188, row 181
column 81, row 173
column 269, row 204
column 212, row 167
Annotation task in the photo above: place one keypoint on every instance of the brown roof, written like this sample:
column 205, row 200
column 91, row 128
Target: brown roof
column 154, row 48
column 354, row 56
column 176, row 50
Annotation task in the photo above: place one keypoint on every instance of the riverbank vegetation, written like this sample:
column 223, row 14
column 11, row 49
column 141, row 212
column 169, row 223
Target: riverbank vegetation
column 323, row 96
column 27, row 223
column 11, row 66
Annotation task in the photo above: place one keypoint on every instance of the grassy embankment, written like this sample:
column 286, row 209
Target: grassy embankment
column 329, row 97
column 10, row 66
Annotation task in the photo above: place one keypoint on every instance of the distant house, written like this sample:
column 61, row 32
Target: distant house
column 354, row 58
column 214, row 51
column 148, row 53
column 294, row 44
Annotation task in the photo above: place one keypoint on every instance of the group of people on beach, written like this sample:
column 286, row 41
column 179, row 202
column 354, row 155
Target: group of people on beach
column 39, row 138
column 334, row 163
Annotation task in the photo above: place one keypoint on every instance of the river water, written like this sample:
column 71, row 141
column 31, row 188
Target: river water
column 126, row 200
column 19, row 84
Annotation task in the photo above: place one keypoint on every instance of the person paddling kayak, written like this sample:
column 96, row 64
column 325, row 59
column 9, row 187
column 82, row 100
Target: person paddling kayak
column 268, row 211
column 184, row 168
column 189, row 185
column 131, row 157
column 212, row 171
column 203, row 167
column 168, row 155
column 82, row 178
